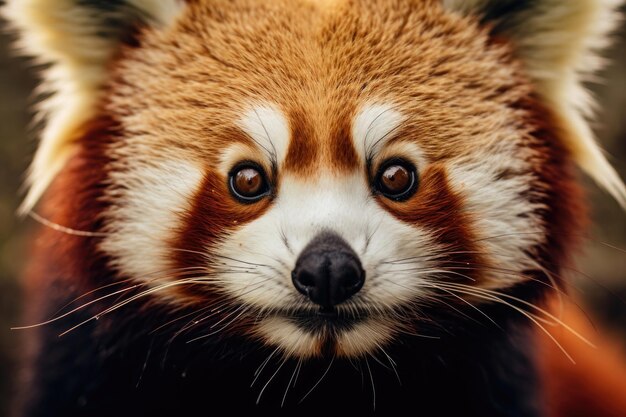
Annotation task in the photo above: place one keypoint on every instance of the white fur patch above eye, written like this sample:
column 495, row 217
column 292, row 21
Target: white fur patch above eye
column 145, row 215
column 404, row 149
column 269, row 129
column 239, row 152
column 373, row 127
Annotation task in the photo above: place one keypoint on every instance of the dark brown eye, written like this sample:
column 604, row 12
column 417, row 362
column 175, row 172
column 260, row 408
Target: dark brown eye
column 248, row 183
column 396, row 180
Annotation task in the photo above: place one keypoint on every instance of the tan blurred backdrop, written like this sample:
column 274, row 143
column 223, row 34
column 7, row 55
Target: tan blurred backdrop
column 601, row 275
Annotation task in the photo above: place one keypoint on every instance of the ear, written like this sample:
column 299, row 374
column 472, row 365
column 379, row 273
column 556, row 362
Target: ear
column 76, row 38
column 558, row 42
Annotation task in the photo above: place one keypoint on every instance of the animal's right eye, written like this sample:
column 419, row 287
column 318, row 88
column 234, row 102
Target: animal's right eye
column 248, row 183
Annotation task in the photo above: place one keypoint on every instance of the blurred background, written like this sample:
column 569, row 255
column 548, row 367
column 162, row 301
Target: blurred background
column 600, row 278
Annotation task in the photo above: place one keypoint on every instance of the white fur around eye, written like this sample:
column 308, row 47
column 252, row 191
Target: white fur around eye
column 404, row 149
column 239, row 152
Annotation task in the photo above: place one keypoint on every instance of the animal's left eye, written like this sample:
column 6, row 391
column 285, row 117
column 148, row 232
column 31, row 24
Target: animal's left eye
column 248, row 183
column 396, row 180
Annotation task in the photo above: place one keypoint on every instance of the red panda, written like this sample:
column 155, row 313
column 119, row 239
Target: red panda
column 303, row 207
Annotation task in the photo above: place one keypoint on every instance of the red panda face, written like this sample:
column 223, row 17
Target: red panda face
column 319, row 177
column 313, row 182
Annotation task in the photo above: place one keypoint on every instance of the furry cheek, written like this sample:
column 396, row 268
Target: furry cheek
column 212, row 218
column 440, row 210
column 480, row 218
column 507, row 226
column 144, row 214
column 163, row 217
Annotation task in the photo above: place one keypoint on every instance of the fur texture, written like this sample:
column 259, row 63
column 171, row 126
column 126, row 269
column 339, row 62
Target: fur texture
column 77, row 40
column 559, row 43
column 480, row 101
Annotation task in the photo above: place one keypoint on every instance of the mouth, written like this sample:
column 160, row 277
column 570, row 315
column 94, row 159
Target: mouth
column 325, row 319
column 343, row 331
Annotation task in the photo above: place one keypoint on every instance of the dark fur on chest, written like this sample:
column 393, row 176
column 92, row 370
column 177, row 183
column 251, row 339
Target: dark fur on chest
column 126, row 364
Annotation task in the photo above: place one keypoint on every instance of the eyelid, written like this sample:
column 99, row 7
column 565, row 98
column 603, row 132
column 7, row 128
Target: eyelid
column 400, row 149
column 239, row 152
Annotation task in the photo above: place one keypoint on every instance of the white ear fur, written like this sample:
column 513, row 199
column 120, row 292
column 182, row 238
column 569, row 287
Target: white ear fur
column 77, row 38
column 559, row 42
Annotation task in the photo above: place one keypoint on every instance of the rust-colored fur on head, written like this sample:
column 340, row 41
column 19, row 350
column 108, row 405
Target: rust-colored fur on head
column 320, row 180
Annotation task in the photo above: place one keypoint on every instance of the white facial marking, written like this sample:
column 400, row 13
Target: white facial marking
column 145, row 214
column 373, row 127
column 504, row 220
column 302, row 210
column 365, row 338
column 269, row 129
column 238, row 152
column 279, row 331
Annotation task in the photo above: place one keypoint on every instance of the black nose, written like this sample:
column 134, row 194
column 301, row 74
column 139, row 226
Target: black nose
column 328, row 271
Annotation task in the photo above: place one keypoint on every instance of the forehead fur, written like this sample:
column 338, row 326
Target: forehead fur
column 319, row 70
column 195, row 67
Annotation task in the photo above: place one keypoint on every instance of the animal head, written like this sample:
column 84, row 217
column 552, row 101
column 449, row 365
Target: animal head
column 328, row 168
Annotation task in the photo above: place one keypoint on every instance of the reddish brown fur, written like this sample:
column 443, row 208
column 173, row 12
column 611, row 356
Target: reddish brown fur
column 439, row 210
column 449, row 99
column 211, row 71
column 595, row 384
column 303, row 148
column 308, row 152
column 74, row 200
column 566, row 215
column 213, row 214
column 330, row 63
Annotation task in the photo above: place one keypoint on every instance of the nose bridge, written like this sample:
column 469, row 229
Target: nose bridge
column 331, row 208
column 321, row 138
column 334, row 204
